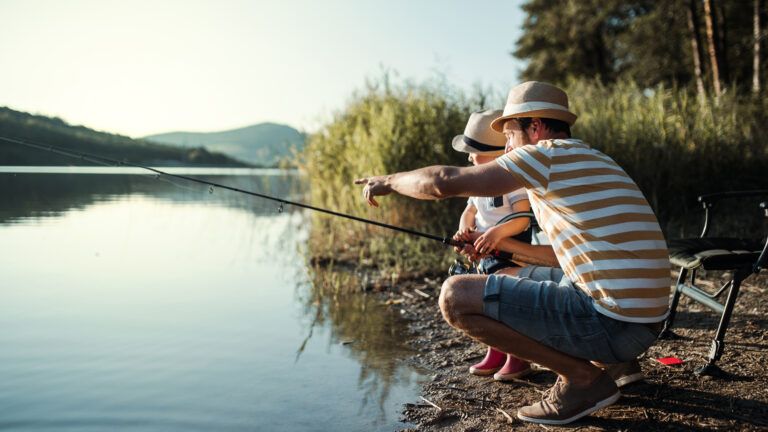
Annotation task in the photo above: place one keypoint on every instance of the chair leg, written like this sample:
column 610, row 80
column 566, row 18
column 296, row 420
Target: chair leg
column 666, row 332
column 718, row 343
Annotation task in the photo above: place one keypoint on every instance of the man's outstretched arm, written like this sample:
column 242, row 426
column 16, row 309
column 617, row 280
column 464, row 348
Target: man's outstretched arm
column 438, row 182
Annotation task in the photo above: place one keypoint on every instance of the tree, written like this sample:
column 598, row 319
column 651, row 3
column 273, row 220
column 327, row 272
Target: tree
column 652, row 49
column 713, row 46
column 677, row 42
column 607, row 39
column 722, row 38
column 757, row 30
column 573, row 38
column 695, row 36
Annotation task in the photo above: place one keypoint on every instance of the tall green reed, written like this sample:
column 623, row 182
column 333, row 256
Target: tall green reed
column 386, row 128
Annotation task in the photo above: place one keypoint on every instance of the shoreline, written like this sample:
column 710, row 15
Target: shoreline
column 669, row 398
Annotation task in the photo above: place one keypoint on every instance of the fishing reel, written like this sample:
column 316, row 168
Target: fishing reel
column 459, row 268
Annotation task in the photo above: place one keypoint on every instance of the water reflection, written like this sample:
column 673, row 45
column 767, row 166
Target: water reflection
column 31, row 195
column 129, row 301
column 372, row 333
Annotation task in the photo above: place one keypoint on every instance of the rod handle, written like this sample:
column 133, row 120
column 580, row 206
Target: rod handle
column 460, row 244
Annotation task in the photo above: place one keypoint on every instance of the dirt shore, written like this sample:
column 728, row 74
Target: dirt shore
column 671, row 398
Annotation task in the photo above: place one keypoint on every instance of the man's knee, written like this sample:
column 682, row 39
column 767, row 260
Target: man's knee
column 447, row 300
column 461, row 295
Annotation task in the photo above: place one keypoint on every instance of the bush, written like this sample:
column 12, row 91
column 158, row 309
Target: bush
column 386, row 128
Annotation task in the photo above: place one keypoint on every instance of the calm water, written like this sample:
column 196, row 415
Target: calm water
column 130, row 303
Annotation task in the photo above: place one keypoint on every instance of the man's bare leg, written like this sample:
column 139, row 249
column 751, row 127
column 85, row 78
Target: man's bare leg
column 461, row 302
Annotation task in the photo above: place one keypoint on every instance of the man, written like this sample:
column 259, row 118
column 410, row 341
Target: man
column 612, row 292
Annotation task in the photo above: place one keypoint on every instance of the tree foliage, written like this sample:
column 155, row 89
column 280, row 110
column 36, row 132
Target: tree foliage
column 644, row 41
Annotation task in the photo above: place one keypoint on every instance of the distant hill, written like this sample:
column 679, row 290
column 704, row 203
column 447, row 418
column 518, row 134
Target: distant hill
column 264, row 144
column 50, row 130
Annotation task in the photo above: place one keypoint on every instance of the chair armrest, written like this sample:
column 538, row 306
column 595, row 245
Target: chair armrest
column 708, row 201
column 712, row 198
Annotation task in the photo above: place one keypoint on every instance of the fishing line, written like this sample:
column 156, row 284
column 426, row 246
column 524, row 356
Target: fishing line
column 89, row 157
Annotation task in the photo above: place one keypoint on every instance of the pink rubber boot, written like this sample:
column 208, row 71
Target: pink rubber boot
column 491, row 363
column 513, row 368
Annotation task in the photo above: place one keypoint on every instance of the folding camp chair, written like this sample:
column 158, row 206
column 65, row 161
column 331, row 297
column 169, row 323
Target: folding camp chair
column 742, row 257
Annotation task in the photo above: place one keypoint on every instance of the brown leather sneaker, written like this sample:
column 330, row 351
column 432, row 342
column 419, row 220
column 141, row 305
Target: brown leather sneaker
column 624, row 373
column 565, row 404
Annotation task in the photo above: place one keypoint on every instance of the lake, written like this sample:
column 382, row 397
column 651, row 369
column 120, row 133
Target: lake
column 131, row 302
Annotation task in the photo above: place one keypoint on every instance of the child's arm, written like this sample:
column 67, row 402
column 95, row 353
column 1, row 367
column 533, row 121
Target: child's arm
column 491, row 238
column 467, row 221
column 466, row 226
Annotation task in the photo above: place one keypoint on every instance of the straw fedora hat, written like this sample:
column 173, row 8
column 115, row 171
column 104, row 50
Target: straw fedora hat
column 535, row 99
column 478, row 136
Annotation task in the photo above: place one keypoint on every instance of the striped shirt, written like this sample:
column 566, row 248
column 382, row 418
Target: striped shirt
column 603, row 231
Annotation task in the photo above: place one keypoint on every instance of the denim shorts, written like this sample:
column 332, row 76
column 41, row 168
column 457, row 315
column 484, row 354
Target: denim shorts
column 543, row 304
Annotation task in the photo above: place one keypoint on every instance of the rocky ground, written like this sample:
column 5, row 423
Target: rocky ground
column 671, row 398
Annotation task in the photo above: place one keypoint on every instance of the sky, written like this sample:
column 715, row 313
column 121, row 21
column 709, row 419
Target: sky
column 143, row 67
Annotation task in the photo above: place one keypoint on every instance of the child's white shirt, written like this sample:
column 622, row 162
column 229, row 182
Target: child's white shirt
column 490, row 210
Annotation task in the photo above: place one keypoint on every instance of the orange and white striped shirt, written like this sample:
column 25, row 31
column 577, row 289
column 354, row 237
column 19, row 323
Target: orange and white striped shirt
column 603, row 231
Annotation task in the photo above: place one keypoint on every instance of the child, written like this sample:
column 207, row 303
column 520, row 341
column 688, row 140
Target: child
column 482, row 216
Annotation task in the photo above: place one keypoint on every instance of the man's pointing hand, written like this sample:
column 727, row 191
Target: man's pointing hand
column 374, row 186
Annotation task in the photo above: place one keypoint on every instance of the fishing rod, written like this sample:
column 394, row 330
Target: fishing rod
column 117, row 163
column 448, row 241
